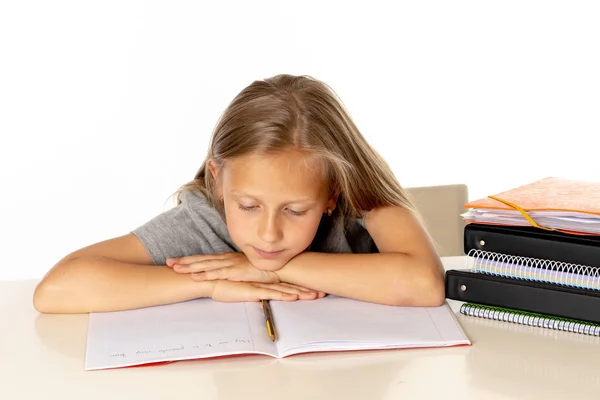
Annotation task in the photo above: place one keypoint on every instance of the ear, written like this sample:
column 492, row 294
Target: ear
column 214, row 169
column 215, row 172
column 332, row 201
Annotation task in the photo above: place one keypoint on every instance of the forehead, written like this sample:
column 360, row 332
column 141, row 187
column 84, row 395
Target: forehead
column 278, row 177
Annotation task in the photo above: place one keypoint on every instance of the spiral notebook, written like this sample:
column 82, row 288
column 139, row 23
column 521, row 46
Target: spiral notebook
column 530, row 319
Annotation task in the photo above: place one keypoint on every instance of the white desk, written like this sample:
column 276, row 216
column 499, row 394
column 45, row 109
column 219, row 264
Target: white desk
column 42, row 356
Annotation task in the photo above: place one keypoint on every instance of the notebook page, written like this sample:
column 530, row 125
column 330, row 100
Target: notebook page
column 193, row 329
column 336, row 323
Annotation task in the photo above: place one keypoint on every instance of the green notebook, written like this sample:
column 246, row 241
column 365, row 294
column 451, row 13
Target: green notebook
column 529, row 318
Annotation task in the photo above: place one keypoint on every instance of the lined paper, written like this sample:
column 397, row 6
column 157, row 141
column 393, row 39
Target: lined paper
column 335, row 323
column 192, row 329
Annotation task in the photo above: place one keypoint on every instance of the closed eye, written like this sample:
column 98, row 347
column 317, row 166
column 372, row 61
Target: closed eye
column 244, row 208
column 253, row 208
column 297, row 213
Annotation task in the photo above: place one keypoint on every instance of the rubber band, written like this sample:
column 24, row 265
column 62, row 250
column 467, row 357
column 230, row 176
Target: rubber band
column 523, row 212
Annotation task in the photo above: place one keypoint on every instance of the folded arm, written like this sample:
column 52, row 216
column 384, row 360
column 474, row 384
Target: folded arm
column 112, row 275
column 118, row 274
column 406, row 271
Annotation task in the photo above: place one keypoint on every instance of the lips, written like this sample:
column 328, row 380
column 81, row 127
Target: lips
column 267, row 254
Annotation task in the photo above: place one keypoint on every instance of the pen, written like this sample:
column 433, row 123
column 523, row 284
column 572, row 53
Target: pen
column 269, row 319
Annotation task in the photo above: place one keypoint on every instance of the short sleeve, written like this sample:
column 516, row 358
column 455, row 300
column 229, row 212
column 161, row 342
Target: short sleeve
column 361, row 220
column 334, row 237
column 190, row 228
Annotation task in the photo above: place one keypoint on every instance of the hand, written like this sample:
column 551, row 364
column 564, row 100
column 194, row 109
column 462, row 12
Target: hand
column 230, row 291
column 224, row 266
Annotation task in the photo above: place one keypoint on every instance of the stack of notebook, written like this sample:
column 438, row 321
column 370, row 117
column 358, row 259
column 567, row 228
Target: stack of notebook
column 533, row 257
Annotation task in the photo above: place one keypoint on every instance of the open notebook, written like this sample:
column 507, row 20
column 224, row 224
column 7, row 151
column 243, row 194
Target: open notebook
column 205, row 328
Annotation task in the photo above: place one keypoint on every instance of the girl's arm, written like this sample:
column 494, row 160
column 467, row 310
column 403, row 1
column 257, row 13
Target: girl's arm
column 118, row 274
column 112, row 275
column 97, row 284
column 406, row 272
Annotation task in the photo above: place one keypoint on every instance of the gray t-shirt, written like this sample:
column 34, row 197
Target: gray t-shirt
column 195, row 227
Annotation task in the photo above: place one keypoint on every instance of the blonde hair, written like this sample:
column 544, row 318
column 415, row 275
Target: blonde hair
column 302, row 113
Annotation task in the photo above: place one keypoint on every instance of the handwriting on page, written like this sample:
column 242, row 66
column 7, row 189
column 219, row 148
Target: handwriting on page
column 192, row 329
column 221, row 345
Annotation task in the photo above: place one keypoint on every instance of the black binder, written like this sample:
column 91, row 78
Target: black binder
column 537, row 297
column 526, row 241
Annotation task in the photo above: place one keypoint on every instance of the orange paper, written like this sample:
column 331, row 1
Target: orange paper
column 548, row 194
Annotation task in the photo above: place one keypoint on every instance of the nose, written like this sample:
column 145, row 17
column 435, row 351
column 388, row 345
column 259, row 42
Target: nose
column 269, row 229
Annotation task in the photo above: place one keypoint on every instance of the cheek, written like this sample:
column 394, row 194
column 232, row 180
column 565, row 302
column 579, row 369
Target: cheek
column 236, row 226
column 303, row 231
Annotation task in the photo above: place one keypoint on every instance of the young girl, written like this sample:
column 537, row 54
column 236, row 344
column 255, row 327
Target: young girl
column 290, row 203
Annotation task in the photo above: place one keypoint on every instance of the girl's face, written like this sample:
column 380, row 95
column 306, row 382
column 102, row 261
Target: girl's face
column 273, row 205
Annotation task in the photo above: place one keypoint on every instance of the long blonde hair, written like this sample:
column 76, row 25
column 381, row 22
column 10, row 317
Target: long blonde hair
column 300, row 112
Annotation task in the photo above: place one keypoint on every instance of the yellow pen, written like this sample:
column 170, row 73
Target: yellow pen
column 269, row 319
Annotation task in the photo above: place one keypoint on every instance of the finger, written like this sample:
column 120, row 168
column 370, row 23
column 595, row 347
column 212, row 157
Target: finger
column 198, row 276
column 212, row 275
column 303, row 295
column 301, row 288
column 195, row 258
column 272, row 294
column 307, row 295
column 279, row 287
column 202, row 266
column 186, row 260
column 319, row 293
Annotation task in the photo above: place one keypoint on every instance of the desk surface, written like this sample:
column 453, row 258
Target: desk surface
column 42, row 356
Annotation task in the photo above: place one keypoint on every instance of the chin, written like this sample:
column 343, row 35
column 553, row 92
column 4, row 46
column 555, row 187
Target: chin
column 264, row 264
column 268, row 265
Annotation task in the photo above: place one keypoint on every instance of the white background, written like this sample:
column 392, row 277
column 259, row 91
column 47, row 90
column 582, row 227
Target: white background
column 106, row 107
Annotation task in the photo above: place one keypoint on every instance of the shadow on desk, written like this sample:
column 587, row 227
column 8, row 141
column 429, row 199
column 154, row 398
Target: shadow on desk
column 56, row 333
column 373, row 375
column 531, row 363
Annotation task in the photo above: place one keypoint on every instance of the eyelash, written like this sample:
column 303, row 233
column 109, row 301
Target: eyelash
column 295, row 213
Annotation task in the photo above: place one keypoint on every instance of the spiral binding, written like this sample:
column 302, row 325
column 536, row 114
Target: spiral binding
column 553, row 334
column 530, row 319
column 535, row 269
